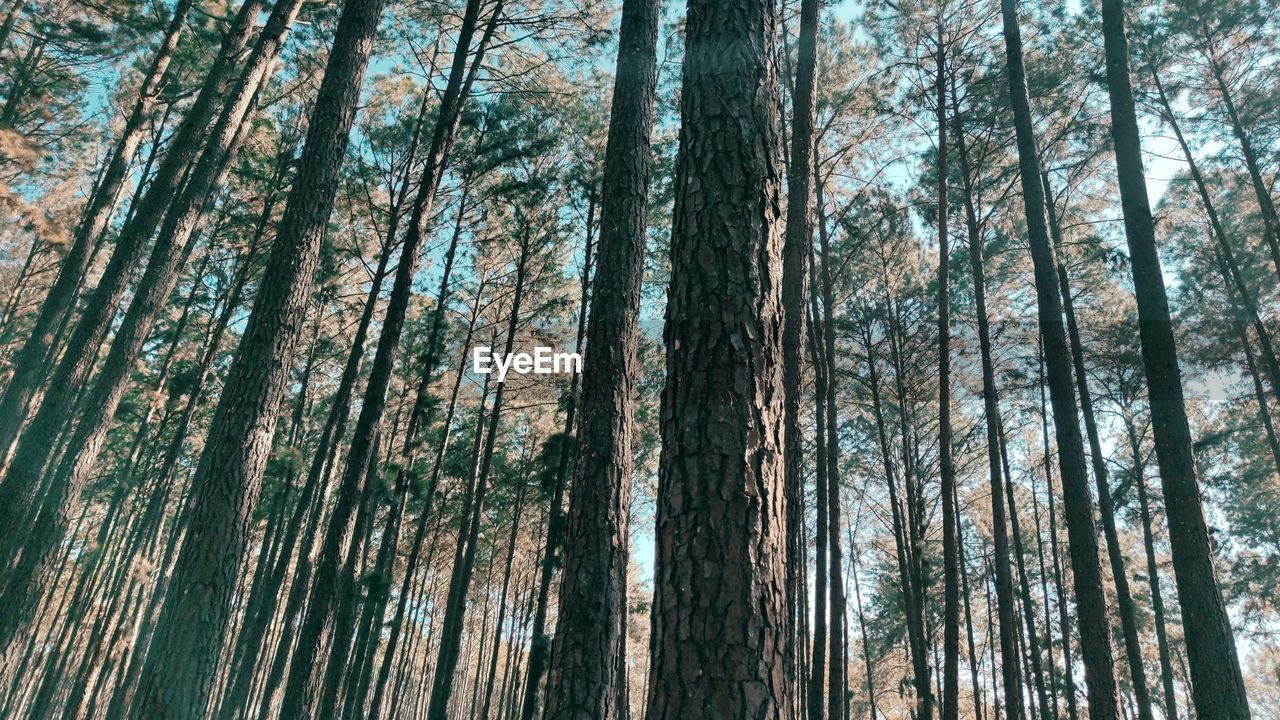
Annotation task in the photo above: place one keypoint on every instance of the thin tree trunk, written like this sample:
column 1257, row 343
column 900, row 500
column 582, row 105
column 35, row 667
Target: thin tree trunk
column 77, row 357
column 1153, row 570
column 991, row 412
column 1081, row 531
column 946, row 465
column 30, row 362
column 1124, row 599
column 540, row 649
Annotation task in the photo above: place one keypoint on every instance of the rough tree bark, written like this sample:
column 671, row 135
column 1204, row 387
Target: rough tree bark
column 584, row 682
column 178, row 671
column 719, row 644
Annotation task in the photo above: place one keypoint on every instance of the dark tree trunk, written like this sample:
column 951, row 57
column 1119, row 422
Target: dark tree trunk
column 946, row 465
column 991, row 412
column 1216, row 680
column 795, row 259
column 79, row 352
column 30, row 362
column 448, row 655
column 172, row 248
column 540, row 648
column 1081, row 531
column 1124, row 599
column 590, row 644
column 719, row 644
column 1153, row 569
column 178, row 671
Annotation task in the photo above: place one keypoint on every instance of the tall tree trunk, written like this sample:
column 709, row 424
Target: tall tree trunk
column 946, row 465
column 448, row 655
column 719, row 644
column 795, row 258
column 540, row 648
column 80, row 347
column 837, row 674
column 1081, row 531
column 590, row 642
column 1216, row 679
column 991, row 413
column 178, row 669
column 1124, row 599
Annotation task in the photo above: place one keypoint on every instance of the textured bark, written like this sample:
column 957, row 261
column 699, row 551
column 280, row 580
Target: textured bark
column 173, row 246
column 1216, row 680
column 177, row 673
column 991, row 413
column 719, row 644
column 1095, row 645
column 590, row 643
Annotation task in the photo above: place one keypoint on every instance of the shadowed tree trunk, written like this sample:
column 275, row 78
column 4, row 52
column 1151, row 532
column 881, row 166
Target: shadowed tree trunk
column 946, row 464
column 1124, row 599
column 991, row 413
column 29, row 363
column 1216, row 681
column 1095, row 645
column 795, row 259
column 719, row 644
column 584, row 682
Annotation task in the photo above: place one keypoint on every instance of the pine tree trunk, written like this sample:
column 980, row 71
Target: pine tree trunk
column 591, row 629
column 1216, row 680
column 946, row 465
column 991, row 412
column 178, row 670
column 540, row 648
column 719, row 644
column 1081, row 531
column 448, row 655
column 78, row 353
column 1124, row 599
column 798, row 234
